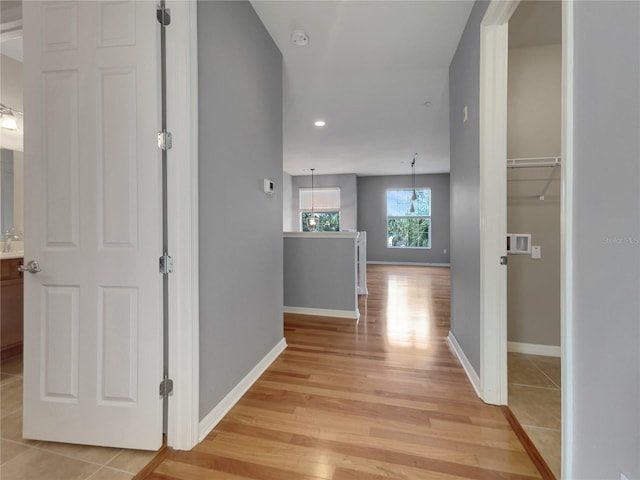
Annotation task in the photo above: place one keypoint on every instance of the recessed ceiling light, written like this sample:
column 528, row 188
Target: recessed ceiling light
column 319, row 123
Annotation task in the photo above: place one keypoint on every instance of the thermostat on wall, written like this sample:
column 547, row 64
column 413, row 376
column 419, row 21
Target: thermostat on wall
column 269, row 186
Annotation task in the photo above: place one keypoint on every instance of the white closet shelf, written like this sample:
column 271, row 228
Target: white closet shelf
column 554, row 162
column 534, row 162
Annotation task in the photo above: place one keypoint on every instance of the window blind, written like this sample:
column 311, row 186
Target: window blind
column 324, row 199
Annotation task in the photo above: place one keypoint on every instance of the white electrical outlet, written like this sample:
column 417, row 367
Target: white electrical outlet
column 444, row 251
column 535, row 252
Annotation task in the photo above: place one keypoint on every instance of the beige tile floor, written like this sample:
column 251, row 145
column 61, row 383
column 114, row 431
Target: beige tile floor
column 28, row 460
column 534, row 398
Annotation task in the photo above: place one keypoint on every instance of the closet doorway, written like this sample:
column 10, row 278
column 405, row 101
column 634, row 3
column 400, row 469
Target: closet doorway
column 533, row 219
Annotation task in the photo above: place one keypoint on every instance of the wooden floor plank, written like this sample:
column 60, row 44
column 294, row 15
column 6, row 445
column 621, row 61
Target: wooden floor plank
column 379, row 398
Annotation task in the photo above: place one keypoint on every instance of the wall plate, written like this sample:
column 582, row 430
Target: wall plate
column 269, row 186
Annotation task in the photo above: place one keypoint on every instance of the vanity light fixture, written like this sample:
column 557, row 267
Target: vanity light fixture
column 8, row 118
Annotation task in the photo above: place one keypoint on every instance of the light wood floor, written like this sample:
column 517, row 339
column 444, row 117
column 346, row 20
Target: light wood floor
column 382, row 398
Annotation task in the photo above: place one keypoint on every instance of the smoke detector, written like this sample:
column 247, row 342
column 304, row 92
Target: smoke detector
column 300, row 38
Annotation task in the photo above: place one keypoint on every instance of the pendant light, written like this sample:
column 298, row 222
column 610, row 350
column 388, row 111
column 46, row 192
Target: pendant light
column 414, row 196
column 312, row 220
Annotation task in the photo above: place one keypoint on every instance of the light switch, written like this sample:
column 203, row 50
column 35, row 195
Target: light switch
column 465, row 113
column 535, row 252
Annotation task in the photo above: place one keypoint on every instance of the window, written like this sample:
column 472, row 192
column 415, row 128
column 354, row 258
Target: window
column 326, row 205
column 406, row 229
column 327, row 221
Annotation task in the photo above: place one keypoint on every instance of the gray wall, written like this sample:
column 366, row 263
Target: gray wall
column 533, row 288
column 372, row 211
column 6, row 190
column 320, row 273
column 534, row 130
column 605, row 356
column 464, row 74
column 11, row 95
column 606, row 246
column 240, row 132
column 534, row 101
column 348, row 198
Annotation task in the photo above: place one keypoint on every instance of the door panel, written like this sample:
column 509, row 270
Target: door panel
column 93, row 319
column 60, row 151
column 59, row 346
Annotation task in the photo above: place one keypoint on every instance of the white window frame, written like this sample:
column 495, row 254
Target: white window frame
column 320, row 205
column 413, row 217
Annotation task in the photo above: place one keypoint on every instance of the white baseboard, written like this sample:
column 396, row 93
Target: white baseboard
column 219, row 411
column 414, row 264
column 323, row 312
column 466, row 364
column 534, row 349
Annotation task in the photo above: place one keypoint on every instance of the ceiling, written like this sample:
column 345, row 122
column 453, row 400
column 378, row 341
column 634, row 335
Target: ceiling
column 376, row 72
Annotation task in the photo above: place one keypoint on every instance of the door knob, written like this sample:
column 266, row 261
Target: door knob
column 31, row 267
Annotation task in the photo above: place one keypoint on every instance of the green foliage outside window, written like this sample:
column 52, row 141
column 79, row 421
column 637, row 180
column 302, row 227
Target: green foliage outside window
column 406, row 228
column 327, row 221
column 408, row 232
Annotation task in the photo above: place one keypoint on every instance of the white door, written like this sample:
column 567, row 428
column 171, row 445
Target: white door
column 93, row 316
column 494, row 36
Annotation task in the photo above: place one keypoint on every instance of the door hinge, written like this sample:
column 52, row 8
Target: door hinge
column 166, row 264
column 165, row 140
column 163, row 15
column 503, row 260
column 166, row 387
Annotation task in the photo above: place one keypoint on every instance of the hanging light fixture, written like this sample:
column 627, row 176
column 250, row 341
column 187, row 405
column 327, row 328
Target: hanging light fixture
column 8, row 118
column 313, row 219
column 414, row 196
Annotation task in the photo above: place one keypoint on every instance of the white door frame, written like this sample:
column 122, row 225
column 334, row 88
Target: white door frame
column 182, row 122
column 493, row 88
column 566, row 240
column 493, row 202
